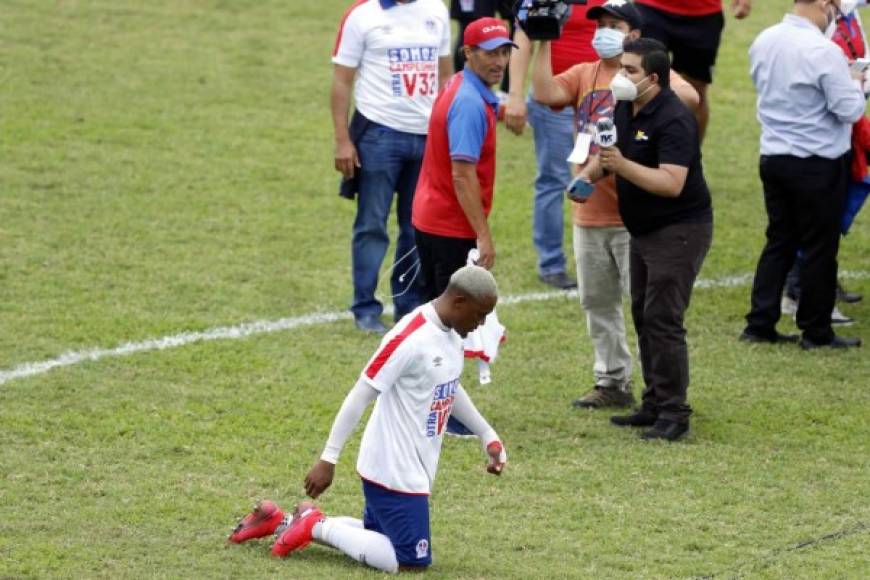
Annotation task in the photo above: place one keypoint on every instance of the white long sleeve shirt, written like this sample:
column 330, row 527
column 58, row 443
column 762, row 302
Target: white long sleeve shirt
column 807, row 101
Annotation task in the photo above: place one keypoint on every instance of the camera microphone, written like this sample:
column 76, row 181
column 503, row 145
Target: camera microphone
column 605, row 132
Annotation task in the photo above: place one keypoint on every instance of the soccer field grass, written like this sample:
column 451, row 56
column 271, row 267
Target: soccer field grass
column 167, row 168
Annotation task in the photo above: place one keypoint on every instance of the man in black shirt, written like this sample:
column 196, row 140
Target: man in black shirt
column 665, row 205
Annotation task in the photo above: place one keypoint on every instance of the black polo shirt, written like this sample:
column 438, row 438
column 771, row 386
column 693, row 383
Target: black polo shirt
column 664, row 131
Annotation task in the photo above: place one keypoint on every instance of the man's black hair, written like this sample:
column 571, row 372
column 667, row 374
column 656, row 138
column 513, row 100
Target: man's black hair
column 653, row 58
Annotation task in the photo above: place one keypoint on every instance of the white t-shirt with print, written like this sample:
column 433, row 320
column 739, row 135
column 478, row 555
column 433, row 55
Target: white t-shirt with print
column 416, row 370
column 395, row 51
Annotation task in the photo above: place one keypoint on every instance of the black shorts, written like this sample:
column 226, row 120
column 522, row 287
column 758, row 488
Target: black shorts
column 440, row 256
column 692, row 40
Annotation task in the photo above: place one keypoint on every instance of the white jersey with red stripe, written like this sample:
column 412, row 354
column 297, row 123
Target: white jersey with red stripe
column 416, row 370
column 395, row 49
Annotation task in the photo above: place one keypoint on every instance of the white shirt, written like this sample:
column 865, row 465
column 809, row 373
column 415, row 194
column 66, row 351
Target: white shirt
column 395, row 51
column 807, row 100
column 416, row 370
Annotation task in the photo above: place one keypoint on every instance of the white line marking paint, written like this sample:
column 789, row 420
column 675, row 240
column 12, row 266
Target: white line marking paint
column 247, row 329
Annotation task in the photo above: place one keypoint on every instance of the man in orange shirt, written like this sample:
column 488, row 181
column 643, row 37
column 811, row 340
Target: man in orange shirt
column 691, row 30
column 601, row 241
column 553, row 137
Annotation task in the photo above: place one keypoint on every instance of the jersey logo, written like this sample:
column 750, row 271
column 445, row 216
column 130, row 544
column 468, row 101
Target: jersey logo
column 414, row 71
column 422, row 548
column 437, row 361
column 439, row 411
column 640, row 136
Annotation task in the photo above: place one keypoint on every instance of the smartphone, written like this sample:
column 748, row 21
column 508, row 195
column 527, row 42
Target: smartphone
column 579, row 190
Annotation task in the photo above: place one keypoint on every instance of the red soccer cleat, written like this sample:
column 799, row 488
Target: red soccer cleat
column 297, row 534
column 261, row 522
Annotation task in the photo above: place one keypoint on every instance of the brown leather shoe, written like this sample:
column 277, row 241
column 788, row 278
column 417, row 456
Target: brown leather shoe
column 600, row 397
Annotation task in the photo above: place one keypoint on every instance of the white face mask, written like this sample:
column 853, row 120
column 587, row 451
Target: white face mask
column 607, row 42
column 622, row 88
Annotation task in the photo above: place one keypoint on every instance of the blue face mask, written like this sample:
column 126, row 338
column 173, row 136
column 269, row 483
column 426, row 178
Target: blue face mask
column 607, row 42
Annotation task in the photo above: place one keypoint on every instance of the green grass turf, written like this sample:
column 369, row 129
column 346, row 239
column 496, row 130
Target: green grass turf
column 166, row 166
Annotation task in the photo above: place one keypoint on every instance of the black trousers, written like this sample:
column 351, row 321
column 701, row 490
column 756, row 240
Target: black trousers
column 663, row 266
column 804, row 200
column 440, row 257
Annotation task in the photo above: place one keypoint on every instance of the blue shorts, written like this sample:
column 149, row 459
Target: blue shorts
column 404, row 519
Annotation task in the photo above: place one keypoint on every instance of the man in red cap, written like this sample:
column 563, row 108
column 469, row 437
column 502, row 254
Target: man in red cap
column 454, row 193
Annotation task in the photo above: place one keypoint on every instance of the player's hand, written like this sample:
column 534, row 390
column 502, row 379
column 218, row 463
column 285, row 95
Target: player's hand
column 741, row 8
column 515, row 114
column 346, row 158
column 497, row 457
column 486, row 249
column 611, row 159
column 319, row 478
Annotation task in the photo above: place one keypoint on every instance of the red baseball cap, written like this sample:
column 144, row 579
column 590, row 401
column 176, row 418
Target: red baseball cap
column 487, row 33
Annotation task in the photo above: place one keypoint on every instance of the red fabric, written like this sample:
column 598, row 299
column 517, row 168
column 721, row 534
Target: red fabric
column 860, row 148
column 575, row 44
column 384, row 354
column 484, row 29
column 848, row 37
column 341, row 25
column 382, row 486
column 685, row 7
column 436, row 208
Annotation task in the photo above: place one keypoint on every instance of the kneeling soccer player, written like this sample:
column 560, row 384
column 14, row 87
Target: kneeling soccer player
column 414, row 379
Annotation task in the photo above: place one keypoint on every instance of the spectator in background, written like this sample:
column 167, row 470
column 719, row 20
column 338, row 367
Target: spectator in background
column 691, row 29
column 393, row 55
column 454, row 194
column 601, row 241
column 807, row 102
column 553, row 134
column 848, row 34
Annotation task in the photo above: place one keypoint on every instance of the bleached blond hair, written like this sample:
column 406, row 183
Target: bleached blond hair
column 475, row 282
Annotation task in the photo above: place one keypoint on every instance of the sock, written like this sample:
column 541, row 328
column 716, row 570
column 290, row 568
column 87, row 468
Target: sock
column 343, row 520
column 365, row 546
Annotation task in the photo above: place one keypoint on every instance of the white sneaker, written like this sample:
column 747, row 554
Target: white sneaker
column 788, row 306
column 840, row 319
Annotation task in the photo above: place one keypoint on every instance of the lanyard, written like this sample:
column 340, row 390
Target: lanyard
column 593, row 105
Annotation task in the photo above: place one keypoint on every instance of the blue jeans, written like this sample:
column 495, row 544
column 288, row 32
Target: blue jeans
column 554, row 139
column 391, row 163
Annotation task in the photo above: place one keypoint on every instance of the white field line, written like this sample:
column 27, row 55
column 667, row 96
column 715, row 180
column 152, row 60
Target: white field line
column 246, row 329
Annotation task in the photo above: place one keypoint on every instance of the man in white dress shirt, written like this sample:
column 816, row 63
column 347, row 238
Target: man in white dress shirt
column 807, row 102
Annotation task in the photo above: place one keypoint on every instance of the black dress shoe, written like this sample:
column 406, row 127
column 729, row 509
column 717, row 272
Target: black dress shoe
column 667, row 430
column 844, row 295
column 640, row 418
column 560, row 280
column 371, row 324
column 775, row 338
column 836, row 342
